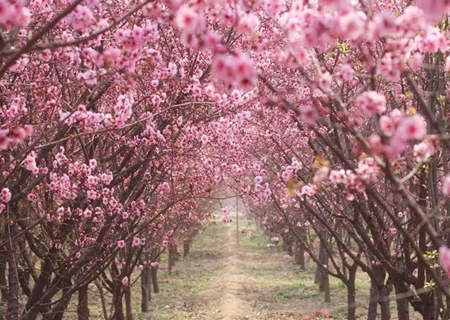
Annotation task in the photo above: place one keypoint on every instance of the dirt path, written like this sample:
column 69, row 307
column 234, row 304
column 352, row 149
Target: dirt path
column 233, row 307
column 220, row 280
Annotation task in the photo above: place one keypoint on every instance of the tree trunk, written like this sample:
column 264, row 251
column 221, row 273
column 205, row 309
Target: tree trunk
column 102, row 299
column 128, row 306
column 429, row 307
column 13, row 279
column 351, row 294
column 57, row 312
column 154, row 272
column 172, row 257
column 326, row 287
column 3, row 282
column 117, row 303
column 402, row 303
column 145, row 288
column 186, row 247
column 319, row 271
column 83, row 303
column 300, row 255
column 373, row 301
column 385, row 303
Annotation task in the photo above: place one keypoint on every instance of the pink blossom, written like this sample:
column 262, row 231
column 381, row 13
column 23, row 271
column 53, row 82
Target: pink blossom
column 31, row 197
column 370, row 103
column 411, row 128
column 89, row 77
column 13, row 14
column 87, row 213
column 433, row 40
column 235, row 70
column 121, row 244
column 5, row 195
column 444, row 259
column 164, row 188
column 136, row 242
column 188, row 21
column 424, row 150
column 351, row 25
column 387, row 126
column 92, row 163
column 434, row 9
column 446, row 185
column 204, row 139
column 125, row 282
column 258, row 180
column 308, row 115
column 320, row 175
column 81, row 18
column 248, row 23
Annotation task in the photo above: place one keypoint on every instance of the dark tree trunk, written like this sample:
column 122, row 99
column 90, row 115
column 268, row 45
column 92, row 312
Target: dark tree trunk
column 321, row 272
column 57, row 312
column 83, row 303
column 13, row 279
column 379, row 294
column 3, row 282
column 145, row 288
column 326, row 287
column 186, row 247
column 385, row 303
column 373, row 301
column 102, row 299
column 128, row 306
column 300, row 255
column 117, row 303
column 351, row 294
column 172, row 257
column 429, row 310
column 32, row 306
column 154, row 273
column 402, row 303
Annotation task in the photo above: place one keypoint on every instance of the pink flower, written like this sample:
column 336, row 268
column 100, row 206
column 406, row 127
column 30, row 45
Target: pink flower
column 351, row 25
column 87, row 213
column 235, row 70
column 89, row 77
column 125, row 281
column 154, row 264
column 370, row 103
column 446, row 185
column 188, row 21
column 424, row 150
column 308, row 115
column 5, row 195
column 258, row 180
column 204, row 139
column 31, row 197
column 444, row 259
column 92, row 163
column 387, row 126
column 321, row 174
column 411, row 128
column 136, row 242
column 164, row 188
column 434, row 9
column 13, row 14
column 121, row 244
column 248, row 24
